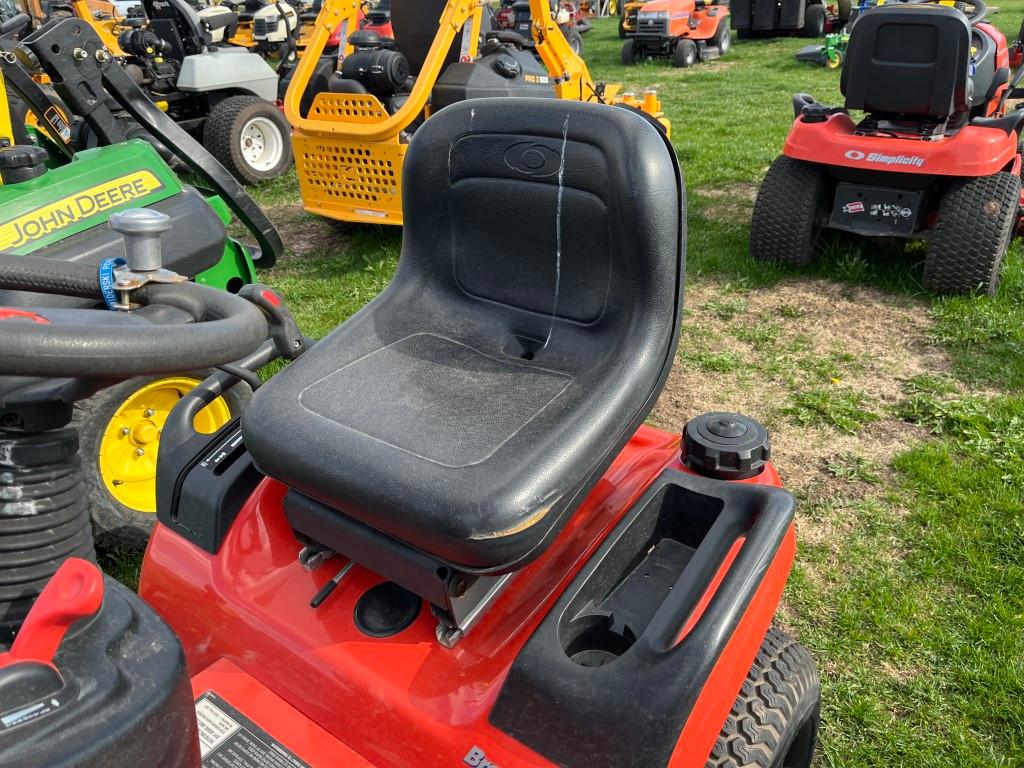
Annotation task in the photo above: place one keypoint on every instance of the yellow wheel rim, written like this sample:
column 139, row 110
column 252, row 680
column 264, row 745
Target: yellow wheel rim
column 836, row 62
column 131, row 439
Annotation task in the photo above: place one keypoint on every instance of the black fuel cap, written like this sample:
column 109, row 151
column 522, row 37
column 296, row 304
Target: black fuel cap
column 727, row 446
column 22, row 162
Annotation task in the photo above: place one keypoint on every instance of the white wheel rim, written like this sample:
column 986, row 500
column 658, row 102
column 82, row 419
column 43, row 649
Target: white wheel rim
column 261, row 144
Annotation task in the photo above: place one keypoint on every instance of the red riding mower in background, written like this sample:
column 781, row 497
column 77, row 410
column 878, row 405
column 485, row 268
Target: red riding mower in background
column 935, row 156
column 688, row 31
column 443, row 535
column 378, row 19
column 515, row 15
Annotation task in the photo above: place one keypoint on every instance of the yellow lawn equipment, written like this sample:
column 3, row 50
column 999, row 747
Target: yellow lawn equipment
column 101, row 15
column 353, row 122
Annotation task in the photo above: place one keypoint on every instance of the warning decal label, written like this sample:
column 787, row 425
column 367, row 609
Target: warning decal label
column 228, row 739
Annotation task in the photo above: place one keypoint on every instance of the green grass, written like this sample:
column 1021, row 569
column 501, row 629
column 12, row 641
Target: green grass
column 911, row 599
column 921, row 637
column 844, row 409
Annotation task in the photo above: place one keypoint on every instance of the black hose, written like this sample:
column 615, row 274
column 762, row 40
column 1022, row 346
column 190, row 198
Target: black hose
column 226, row 328
column 41, row 275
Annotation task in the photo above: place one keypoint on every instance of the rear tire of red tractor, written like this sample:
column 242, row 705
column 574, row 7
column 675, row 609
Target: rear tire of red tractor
column 976, row 223
column 814, row 21
column 774, row 721
column 630, row 52
column 685, row 54
column 788, row 213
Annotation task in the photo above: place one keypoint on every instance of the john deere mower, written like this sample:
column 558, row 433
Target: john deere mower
column 56, row 206
column 443, row 535
column 353, row 121
column 687, row 31
column 934, row 157
column 829, row 55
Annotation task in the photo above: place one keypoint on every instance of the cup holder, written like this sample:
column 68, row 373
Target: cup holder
column 592, row 642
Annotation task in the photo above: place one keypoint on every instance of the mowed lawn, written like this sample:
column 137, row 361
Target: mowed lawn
column 898, row 418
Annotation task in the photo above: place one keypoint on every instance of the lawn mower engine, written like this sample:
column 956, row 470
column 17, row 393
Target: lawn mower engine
column 374, row 67
column 148, row 66
column 503, row 69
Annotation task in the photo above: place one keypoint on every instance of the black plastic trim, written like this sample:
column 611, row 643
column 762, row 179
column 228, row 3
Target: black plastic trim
column 630, row 711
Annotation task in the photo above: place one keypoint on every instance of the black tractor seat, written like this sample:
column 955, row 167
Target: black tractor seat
column 467, row 410
column 909, row 60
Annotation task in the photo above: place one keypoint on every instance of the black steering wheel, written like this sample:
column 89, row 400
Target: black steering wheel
column 182, row 326
column 978, row 9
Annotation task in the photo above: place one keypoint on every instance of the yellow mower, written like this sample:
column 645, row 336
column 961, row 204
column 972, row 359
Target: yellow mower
column 355, row 108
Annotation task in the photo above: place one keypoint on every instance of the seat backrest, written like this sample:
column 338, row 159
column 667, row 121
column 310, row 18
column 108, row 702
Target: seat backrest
column 415, row 24
column 908, row 59
column 561, row 220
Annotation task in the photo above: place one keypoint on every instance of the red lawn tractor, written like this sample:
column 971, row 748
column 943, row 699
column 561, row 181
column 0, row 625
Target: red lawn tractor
column 378, row 19
column 515, row 15
column 933, row 156
column 441, row 536
column 687, row 31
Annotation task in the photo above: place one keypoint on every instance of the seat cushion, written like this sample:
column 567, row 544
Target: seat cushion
column 436, row 399
column 531, row 323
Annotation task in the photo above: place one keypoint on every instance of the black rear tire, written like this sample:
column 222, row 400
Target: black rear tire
column 788, row 212
column 774, row 721
column 630, row 52
column 976, row 223
column 814, row 21
column 575, row 40
column 685, row 54
column 223, row 136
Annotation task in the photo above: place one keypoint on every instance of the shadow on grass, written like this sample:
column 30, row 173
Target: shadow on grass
column 721, row 249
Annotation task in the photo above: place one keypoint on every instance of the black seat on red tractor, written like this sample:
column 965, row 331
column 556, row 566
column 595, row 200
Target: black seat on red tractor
column 468, row 409
column 908, row 60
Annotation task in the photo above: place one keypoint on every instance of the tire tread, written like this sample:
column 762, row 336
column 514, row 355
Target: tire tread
column 975, row 225
column 219, row 137
column 782, row 685
column 783, row 228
